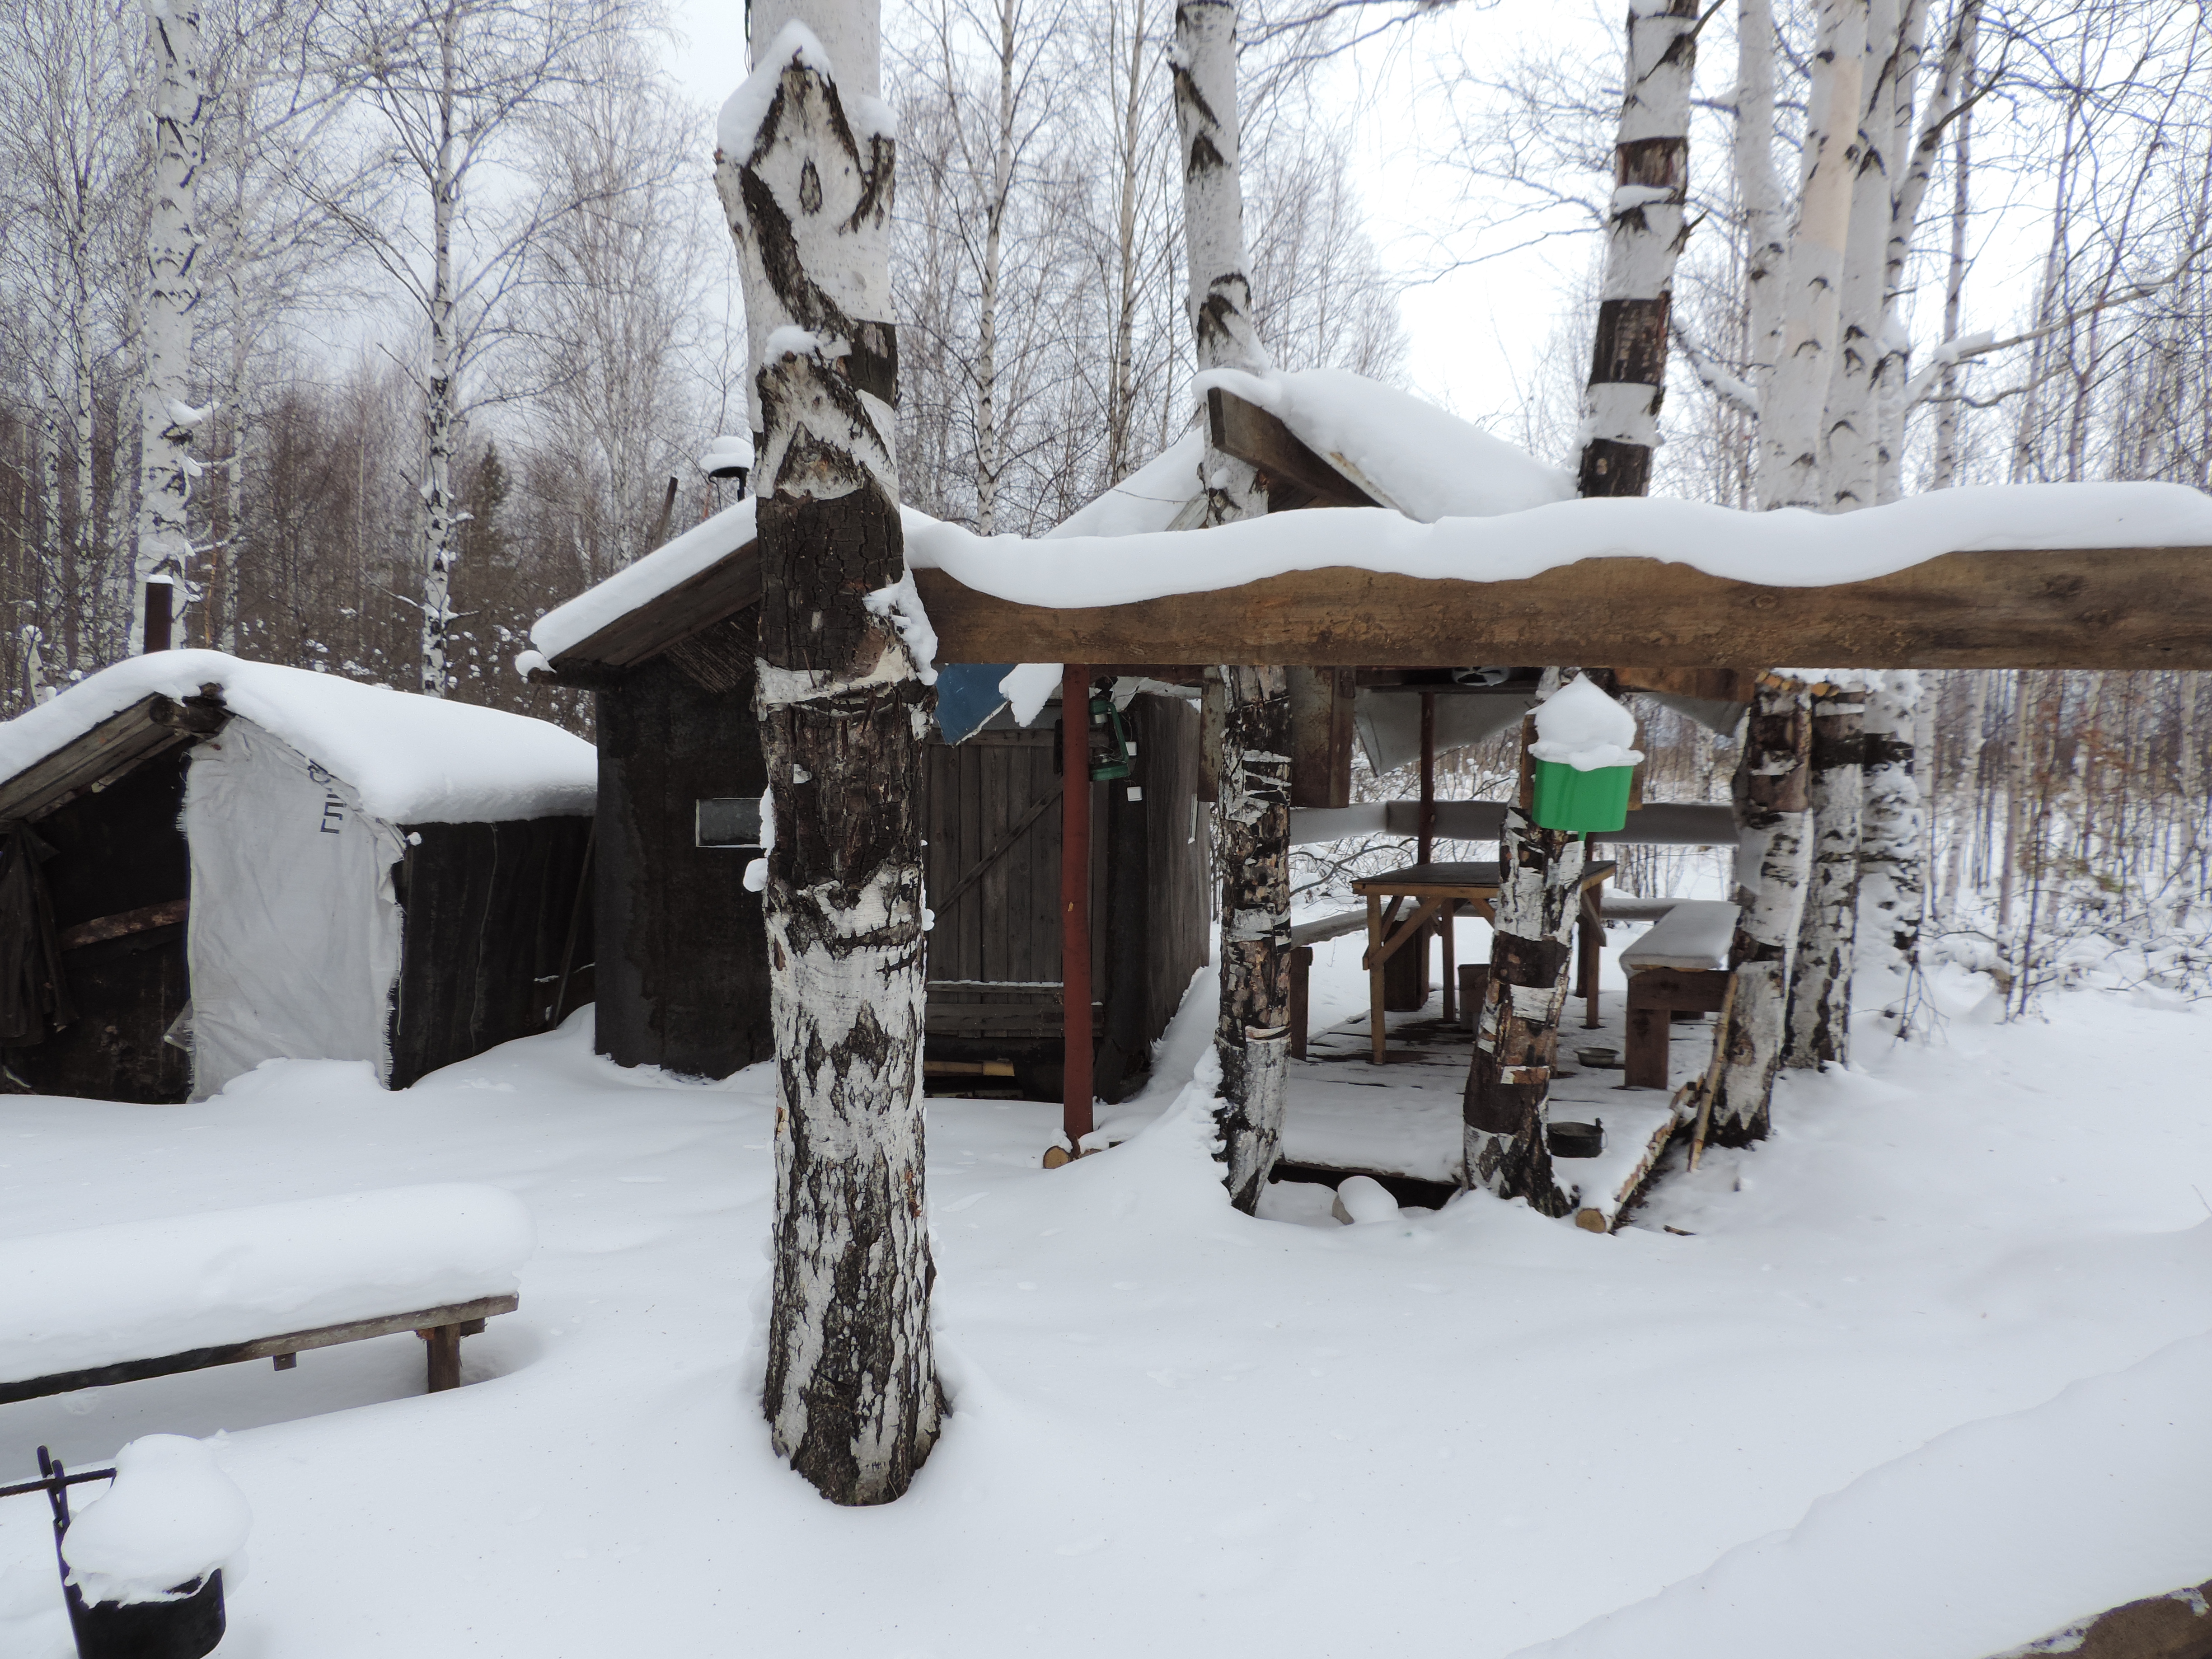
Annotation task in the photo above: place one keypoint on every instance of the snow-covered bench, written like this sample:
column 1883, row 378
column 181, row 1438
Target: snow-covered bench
column 1681, row 964
column 1304, row 935
column 150, row 1299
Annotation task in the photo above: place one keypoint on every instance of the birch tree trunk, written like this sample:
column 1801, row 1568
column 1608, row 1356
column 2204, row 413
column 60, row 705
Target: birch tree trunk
column 990, row 443
column 1821, row 978
column 172, row 294
column 1121, row 392
column 804, row 171
column 1517, row 1033
column 1252, row 1037
column 1646, row 229
column 1773, row 859
column 1949, row 415
column 1766, row 227
column 1892, row 873
column 1851, row 424
column 1790, row 461
column 441, row 533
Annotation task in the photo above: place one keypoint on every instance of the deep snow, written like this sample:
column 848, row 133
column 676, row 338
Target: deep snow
column 1181, row 1431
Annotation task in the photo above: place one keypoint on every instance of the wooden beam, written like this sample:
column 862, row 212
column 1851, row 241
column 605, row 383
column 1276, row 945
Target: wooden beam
column 2112, row 607
column 124, row 924
column 1253, row 435
column 693, row 605
column 1322, row 701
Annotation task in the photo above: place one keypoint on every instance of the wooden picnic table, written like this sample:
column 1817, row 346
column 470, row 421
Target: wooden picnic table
column 1438, row 891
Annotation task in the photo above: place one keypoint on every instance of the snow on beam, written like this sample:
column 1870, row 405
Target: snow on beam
column 2106, row 608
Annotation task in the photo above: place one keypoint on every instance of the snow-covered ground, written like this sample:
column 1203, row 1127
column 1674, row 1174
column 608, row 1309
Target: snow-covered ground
column 1180, row 1432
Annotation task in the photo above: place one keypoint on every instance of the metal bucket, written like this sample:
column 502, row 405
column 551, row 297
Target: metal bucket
column 187, row 1628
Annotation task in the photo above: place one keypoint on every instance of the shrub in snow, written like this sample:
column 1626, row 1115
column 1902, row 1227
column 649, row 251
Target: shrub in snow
column 170, row 1518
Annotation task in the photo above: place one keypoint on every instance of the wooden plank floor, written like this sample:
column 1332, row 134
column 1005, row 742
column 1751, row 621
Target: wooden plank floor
column 1346, row 1114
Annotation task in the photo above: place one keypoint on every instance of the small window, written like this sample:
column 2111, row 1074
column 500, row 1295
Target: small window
column 730, row 821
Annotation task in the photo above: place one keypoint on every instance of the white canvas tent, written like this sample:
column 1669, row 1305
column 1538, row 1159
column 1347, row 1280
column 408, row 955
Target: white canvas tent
column 373, row 875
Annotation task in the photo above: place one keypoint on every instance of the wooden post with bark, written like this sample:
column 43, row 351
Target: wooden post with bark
column 1821, row 978
column 1646, row 228
column 804, row 171
column 1252, row 816
column 1773, row 859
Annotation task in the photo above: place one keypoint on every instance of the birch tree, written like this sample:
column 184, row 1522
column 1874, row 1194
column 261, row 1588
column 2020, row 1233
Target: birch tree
column 453, row 81
column 171, row 295
column 1646, row 229
column 1892, row 861
column 804, row 169
column 1252, row 1037
column 1820, row 976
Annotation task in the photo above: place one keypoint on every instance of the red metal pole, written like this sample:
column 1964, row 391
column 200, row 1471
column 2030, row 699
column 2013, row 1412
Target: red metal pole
column 1075, row 900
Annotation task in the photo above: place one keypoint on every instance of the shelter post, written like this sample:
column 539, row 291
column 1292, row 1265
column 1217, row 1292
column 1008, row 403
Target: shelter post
column 1075, row 902
column 157, row 634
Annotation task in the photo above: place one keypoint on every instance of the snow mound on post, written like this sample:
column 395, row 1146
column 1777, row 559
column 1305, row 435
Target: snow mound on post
column 1579, row 726
column 411, row 759
column 170, row 1518
column 1982, row 1538
column 1427, row 462
column 142, row 1290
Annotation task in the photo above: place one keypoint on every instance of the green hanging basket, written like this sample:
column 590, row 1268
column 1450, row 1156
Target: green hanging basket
column 1567, row 800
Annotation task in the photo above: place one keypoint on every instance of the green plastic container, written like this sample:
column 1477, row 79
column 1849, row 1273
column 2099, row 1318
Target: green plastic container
column 1567, row 800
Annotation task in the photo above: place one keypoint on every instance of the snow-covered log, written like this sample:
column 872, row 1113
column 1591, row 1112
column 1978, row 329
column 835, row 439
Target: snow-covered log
column 1790, row 459
column 1645, row 231
column 1253, row 820
column 172, row 294
column 1773, row 858
column 804, row 169
column 1821, row 978
column 1516, row 1038
column 1892, row 871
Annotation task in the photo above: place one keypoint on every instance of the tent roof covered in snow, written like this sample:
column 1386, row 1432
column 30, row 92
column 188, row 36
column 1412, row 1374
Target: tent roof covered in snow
column 410, row 759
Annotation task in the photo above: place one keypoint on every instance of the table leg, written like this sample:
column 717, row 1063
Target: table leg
column 1451, row 970
column 1376, row 1033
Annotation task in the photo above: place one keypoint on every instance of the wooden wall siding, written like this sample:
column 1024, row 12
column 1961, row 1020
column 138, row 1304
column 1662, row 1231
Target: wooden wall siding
column 682, row 971
column 486, row 911
column 1004, row 929
column 118, row 850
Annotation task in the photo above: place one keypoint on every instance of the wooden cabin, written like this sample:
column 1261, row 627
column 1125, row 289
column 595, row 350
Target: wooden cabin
column 207, row 863
column 666, row 644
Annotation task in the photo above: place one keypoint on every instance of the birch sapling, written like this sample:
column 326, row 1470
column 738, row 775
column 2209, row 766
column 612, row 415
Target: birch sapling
column 1789, row 458
column 1645, row 230
column 1773, row 858
column 1821, row 978
column 1253, row 819
column 171, row 295
column 804, row 171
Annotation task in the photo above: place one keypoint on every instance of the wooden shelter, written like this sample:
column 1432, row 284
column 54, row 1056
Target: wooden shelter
column 666, row 644
column 208, row 863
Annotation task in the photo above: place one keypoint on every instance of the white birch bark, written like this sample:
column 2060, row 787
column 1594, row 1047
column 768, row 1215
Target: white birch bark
column 805, row 170
column 1252, row 1035
column 172, row 294
column 1773, row 862
column 1820, row 974
column 1759, row 186
column 1789, row 414
column 1645, row 229
column 1850, row 421
column 990, row 442
column 1949, row 414
column 1892, row 872
column 440, row 529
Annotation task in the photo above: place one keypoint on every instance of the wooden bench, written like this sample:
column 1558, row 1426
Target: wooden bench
column 1305, row 936
column 1682, row 964
column 441, row 1329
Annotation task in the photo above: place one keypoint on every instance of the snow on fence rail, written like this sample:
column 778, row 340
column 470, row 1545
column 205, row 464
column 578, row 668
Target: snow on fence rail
column 136, row 1290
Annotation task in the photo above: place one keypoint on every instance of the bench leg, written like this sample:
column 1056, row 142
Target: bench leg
column 444, row 1342
column 1645, row 1065
column 1590, row 942
column 1301, row 967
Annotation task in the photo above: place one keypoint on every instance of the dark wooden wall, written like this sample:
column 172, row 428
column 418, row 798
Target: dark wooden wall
column 682, row 975
column 119, row 849
column 490, row 914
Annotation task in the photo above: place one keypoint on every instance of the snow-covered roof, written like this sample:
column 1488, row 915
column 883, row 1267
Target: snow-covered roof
column 1401, row 451
column 412, row 759
column 706, row 545
column 1788, row 547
